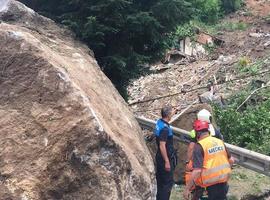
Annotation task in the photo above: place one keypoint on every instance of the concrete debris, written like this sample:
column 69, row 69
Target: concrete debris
column 267, row 44
column 226, row 60
column 196, row 48
column 173, row 56
column 258, row 35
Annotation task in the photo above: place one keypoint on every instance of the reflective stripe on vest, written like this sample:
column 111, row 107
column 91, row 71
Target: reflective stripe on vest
column 216, row 179
column 215, row 169
column 216, row 166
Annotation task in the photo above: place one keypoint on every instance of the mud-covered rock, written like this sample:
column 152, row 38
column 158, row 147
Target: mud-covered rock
column 65, row 132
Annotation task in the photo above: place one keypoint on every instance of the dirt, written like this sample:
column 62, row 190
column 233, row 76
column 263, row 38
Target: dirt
column 259, row 8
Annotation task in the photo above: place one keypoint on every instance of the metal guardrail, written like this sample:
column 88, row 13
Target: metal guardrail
column 243, row 157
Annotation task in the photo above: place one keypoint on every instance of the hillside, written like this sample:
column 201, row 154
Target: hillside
column 246, row 34
column 246, row 37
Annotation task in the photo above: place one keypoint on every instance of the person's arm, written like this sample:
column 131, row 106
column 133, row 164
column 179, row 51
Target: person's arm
column 194, row 176
column 163, row 150
column 162, row 146
column 189, row 166
column 197, row 159
column 230, row 158
column 190, row 151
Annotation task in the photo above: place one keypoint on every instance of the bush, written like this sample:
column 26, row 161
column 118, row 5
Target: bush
column 231, row 5
column 124, row 34
column 185, row 30
column 243, row 61
column 267, row 19
column 230, row 26
column 245, row 66
column 208, row 11
column 249, row 128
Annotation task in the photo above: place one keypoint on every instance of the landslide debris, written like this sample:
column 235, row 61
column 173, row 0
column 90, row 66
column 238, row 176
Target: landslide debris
column 232, row 66
column 185, row 81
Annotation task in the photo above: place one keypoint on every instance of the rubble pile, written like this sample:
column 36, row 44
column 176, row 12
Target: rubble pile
column 186, row 80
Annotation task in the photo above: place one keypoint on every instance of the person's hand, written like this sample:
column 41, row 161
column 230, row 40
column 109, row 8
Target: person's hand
column 189, row 167
column 186, row 194
column 231, row 161
column 167, row 166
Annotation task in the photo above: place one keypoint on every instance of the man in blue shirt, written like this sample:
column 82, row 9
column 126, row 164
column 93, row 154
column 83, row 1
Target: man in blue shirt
column 165, row 153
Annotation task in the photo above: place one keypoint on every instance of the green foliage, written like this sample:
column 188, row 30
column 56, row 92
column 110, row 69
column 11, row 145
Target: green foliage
column 208, row 11
column 209, row 28
column 231, row 5
column 124, row 34
column 267, row 19
column 185, row 30
column 250, row 127
column 244, row 66
column 181, row 31
column 211, row 11
column 231, row 26
column 232, row 198
column 243, row 61
column 239, row 176
column 210, row 48
column 188, row 29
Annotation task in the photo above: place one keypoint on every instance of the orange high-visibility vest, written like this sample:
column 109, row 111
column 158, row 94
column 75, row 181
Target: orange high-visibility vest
column 216, row 166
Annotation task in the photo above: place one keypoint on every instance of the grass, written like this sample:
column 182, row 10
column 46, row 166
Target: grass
column 244, row 66
column 267, row 19
column 243, row 182
column 223, row 26
column 230, row 26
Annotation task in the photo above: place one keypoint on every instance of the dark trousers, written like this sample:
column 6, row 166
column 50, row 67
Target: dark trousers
column 214, row 192
column 218, row 191
column 164, row 180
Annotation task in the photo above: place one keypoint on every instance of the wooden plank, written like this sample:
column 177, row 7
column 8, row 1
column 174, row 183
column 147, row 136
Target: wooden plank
column 176, row 117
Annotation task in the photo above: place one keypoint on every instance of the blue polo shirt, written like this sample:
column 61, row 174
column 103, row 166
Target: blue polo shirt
column 164, row 133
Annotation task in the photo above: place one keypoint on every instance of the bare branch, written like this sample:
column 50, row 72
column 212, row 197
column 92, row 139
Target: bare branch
column 253, row 92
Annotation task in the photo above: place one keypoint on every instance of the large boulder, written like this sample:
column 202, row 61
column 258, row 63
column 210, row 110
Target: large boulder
column 65, row 132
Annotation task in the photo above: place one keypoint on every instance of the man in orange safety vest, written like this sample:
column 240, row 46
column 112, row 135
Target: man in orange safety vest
column 211, row 164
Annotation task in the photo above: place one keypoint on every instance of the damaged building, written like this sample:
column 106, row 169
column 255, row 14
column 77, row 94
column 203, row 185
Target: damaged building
column 196, row 47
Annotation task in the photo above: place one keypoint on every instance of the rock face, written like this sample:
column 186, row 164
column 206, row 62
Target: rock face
column 65, row 132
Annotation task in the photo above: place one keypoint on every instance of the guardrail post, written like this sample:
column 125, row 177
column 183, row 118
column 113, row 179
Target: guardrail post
column 242, row 159
column 267, row 166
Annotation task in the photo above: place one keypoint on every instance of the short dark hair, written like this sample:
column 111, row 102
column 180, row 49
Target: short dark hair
column 166, row 111
column 202, row 132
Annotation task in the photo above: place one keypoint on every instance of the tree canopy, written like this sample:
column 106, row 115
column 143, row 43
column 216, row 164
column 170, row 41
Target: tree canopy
column 125, row 34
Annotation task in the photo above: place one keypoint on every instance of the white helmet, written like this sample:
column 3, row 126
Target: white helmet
column 204, row 115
